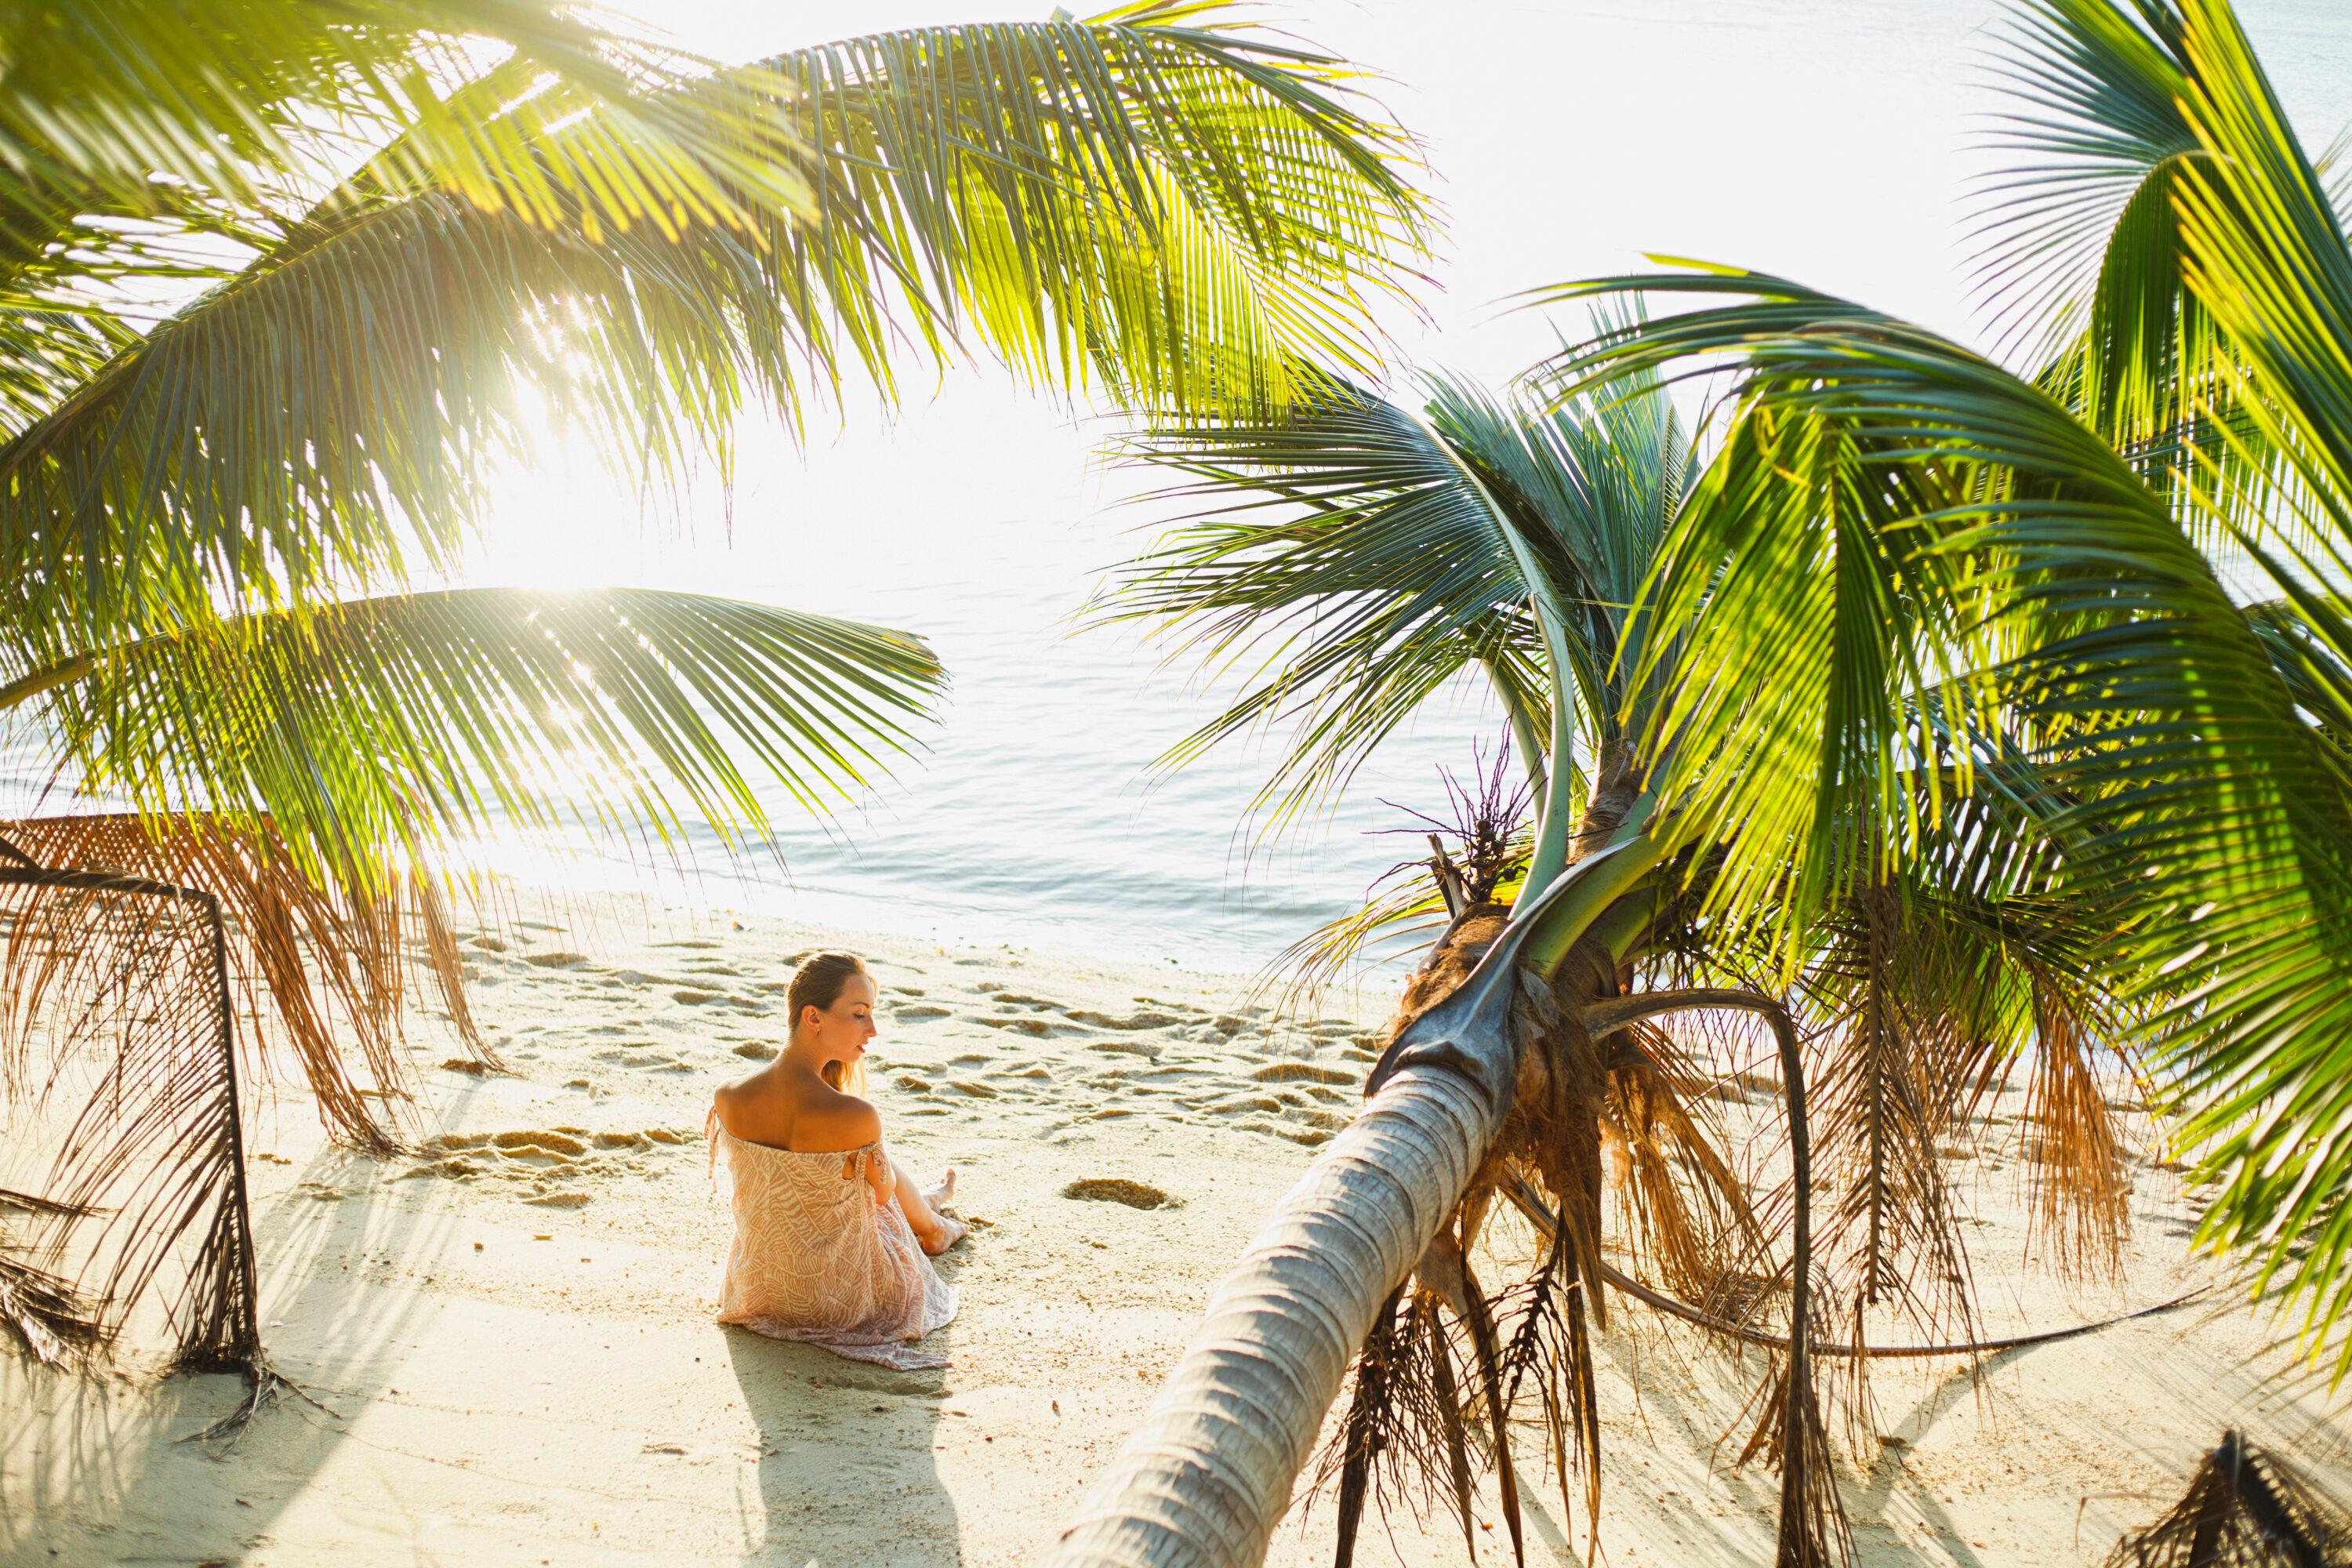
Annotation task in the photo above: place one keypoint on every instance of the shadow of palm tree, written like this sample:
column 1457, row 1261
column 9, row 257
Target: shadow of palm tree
column 111, row 1449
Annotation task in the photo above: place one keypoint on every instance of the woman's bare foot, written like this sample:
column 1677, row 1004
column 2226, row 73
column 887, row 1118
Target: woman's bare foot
column 942, row 1193
column 950, row 1231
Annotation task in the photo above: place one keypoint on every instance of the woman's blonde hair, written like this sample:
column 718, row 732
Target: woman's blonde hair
column 818, row 984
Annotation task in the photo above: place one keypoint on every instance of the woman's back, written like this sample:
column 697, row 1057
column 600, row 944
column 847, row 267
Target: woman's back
column 822, row 1255
column 786, row 1105
column 824, row 1249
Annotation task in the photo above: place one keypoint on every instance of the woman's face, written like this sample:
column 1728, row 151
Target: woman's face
column 842, row 1030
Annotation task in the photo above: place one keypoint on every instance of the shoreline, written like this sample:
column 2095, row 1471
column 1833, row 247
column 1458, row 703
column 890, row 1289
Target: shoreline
column 511, row 1328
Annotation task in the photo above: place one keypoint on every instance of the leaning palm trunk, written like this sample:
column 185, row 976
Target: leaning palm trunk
column 1206, row 1476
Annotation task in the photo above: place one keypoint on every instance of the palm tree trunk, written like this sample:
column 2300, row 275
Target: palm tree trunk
column 1203, row 1481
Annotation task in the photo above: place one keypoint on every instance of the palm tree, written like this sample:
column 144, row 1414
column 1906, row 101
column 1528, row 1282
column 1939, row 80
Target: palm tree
column 2070, row 642
column 273, row 279
column 1361, row 555
column 2128, row 565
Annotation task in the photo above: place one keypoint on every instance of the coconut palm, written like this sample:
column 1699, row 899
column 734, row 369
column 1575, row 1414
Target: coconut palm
column 1153, row 201
column 278, row 281
column 2133, row 560
column 1363, row 555
column 2073, row 638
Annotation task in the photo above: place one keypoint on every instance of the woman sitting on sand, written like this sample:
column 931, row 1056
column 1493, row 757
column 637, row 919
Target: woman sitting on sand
column 830, row 1232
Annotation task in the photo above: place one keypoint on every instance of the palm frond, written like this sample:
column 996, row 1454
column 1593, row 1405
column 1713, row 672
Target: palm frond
column 2020, row 547
column 125, row 1127
column 1183, row 211
column 1341, row 557
column 376, row 723
column 2078, row 234
column 1359, row 556
column 311, row 965
column 1194, row 207
column 244, row 101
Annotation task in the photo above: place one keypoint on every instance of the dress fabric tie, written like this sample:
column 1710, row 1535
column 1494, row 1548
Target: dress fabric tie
column 818, row 1258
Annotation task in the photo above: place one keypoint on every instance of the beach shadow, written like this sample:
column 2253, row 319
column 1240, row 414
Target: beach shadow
column 1699, row 1537
column 117, row 1480
column 847, row 1466
column 1892, row 1476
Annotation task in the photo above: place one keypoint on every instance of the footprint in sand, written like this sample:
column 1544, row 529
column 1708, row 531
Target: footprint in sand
column 1309, row 1136
column 539, row 1152
column 1119, row 1190
column 1131, row 1023
column 1303, row 1072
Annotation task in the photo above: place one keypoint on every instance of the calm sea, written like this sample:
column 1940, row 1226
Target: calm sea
column 1824, row 139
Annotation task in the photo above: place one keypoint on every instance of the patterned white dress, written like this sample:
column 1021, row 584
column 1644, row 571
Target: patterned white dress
column 817, row 1258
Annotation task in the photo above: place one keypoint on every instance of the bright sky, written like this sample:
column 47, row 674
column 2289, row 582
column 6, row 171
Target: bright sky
column 1826, row 141
column 1566, row 141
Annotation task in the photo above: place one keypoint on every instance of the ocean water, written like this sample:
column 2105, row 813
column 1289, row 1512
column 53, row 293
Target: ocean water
column 1035, row 813
column 1831, row 140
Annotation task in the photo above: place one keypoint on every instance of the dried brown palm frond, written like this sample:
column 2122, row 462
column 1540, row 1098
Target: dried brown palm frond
column 2079, row 1155
column 1687, row 1215
column 121, row 973
column 1404, row 1420
column 1896, row 1044
column 1901, row 999
column 49, row 1320
column 2245, row 1508
column 1809, row 1495
column 1589, row 1060
column 1549, row 1339
column 303, row 959
column 124, row 1122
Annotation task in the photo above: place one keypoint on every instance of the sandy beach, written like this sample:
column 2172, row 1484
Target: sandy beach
column 508, row 1331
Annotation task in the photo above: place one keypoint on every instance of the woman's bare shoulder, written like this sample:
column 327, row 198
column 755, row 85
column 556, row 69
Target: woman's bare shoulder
column 834, row 1123
column 757, row 1107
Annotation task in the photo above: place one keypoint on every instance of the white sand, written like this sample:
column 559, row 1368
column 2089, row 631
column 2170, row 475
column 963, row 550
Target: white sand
column 494, row 1397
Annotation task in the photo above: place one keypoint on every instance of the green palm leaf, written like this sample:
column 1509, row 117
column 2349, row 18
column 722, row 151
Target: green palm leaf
column 1359, row 556
column 382, row 723
column 2011, row 544
column 1346, row 560
column 1184, row 212
column 228, row 100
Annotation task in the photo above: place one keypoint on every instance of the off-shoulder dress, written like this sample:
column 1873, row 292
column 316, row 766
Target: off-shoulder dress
column 819, row 1258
